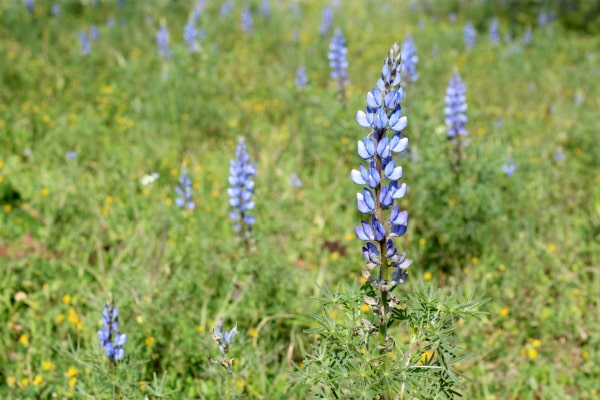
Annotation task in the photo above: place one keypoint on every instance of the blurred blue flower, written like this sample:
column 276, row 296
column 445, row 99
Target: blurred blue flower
column 456, row 106
column 190, row 36
column 527, row 36
column 326, row 20
column 226, row 8
column 380, row 176
column 301, row 77
column 337, row 58
column 470, row 35
column 495, row 30
column 241, row 174
column 409, row 59
column 162, row 42
column 71, row 155
column 184, row 191
column 265, row 8
column 295, row 181
column 559, row 155
column 510, row 167
column 94, row 33
column 111, row 339
column 30, row 5
column 246, row 21
column 55, row 10
column 86, row 45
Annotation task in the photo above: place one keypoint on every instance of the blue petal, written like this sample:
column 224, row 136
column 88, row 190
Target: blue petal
column 361, row 118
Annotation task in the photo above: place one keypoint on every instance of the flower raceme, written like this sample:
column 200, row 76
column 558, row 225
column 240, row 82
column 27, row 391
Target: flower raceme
column 380, row 176
column 184, row 192
column 337, row 58
column 456, row 106
column 241, row 172
column 111, row 339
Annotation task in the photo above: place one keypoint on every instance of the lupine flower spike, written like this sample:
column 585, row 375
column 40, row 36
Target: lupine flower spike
column 301, row 77
column 380, row 178
column 247, row 21
column 409, row 60
column 86, row 45
column 223, row 339
column 337, row 60
column 470, row 35
column 241, row 174
column 184, row 192
column 495, row 30
column 456, row 119
column 326, row 20
column 111, row 339
column 162, row 41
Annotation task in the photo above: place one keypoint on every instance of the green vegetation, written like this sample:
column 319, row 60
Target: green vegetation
column 75, row 230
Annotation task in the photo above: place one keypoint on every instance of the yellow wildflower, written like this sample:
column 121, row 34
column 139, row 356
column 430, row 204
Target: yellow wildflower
column 427, row 276
column 150, row 341
column 71, row 372
column 24, row 339
column 37, row 380
column 504, row 312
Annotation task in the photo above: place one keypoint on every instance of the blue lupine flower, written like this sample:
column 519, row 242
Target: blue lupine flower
column 559, row 155
column 86, row 45
column 543, row 18
column 190, row 36
column 200, row 5
column 456, row 105
column 527, row 36
column 30, row 5
column 495, row 30
column 337, row 58
column 94, row 33
column 247, row 21
column 241, row 173
column 265, row 8
column 224, row 338
column 55, row 10
column 184, row 191
column 71, row 155
column 380, row 176
column 510, row 167
column 162, row 42
column 301, row 77
column 295, row 181
column 111, row 339
column 226, row 8
column 469, row 35
column 409, row 59
column 326, row 20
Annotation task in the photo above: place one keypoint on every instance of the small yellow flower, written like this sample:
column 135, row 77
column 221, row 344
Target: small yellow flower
column 335, row 256
column 66, row 299
column 7, row 208
column 253, row 332
column 168, row 201
column 45, row 192
column 24, row 382
column 585, row 354
column 362, row 280
column 200, row 328
column 425, row 357
column 240, row 384
column 10, row 380
column 422, row 242
column 349, row 237
column 427, row 276
column 174, row 172
column 501, row 267
column 24, row 339
column 143, row 385
column 532, row 353
column 37, row 380
column 536, row 342
column 71, row 372
column 150, row 341
column 504, row 312
column 1, row 164
column 474, row 260
column 452, row 202
column 363, row 350
column 72, row 382
column 365, row 308
column 47, row 365
column 552, row 248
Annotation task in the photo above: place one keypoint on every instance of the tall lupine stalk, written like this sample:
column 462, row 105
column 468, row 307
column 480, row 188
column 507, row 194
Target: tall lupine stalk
column 456, row 119
column 470, row 35
column 111, row 339
column 495, row 30
column 338, row 62
column 326, row 20
column 380, row 177
column 241, row 174
column 409, row 60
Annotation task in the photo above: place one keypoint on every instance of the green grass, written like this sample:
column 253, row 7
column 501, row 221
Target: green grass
column 75, row 230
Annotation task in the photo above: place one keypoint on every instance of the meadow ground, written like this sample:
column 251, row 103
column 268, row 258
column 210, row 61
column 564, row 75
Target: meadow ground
column 82, row 217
